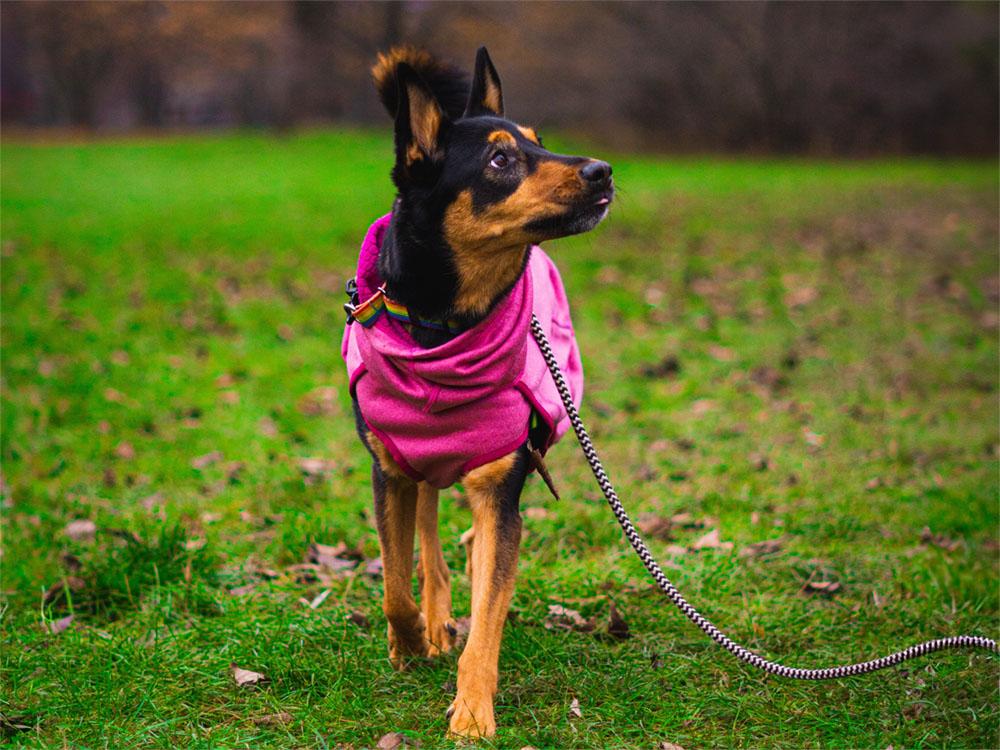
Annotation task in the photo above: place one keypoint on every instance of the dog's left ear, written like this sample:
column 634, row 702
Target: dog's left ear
column 486, row 97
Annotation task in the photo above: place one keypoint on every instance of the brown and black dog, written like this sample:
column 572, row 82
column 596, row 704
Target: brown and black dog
column 475, row 192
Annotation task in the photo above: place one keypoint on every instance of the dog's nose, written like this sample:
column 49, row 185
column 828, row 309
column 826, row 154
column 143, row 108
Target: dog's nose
column 596, row 171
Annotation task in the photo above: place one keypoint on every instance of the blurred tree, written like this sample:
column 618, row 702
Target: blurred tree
column 844, row 77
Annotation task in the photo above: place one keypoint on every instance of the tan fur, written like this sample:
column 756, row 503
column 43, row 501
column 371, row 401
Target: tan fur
column 425, row 122
column 530, row 134
column 502, row 137
column 493, row 98
column 432, row 572
column 385, row 65
column 489, row 245
column 494, row 564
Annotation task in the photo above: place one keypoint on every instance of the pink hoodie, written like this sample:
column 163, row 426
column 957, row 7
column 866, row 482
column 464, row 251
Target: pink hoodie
column 444, row 411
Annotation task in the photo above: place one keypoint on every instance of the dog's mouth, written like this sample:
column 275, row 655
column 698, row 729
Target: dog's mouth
column 579, row 216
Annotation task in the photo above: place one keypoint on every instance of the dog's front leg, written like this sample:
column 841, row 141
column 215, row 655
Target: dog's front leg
column 395, row 518
column 432, row 572
column 494, row 492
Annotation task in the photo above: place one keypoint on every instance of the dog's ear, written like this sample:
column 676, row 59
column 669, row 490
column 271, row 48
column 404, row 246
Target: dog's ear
column 420, row 121
column 486, row 97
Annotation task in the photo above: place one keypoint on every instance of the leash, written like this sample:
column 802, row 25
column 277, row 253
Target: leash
column 741, row 653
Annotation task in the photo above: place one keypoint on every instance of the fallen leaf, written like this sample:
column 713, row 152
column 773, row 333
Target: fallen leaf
column 315, row 468
column 373, row 567
column 53, row 592
column 330, row 557
column 267, row 427
column 359, row 619
column 124, row 450
column 711, row 540
column 760, row 462
column 666, row 367
column 60, row 625
column 80, row 530
column 668, row 746
column 759, row 549
column 574, row 710
column 243, row 590
column 826, row 588
column 320, row 401
column 206, row 460
column 563, row 618
column 272, row 719
column 120, row 357
column 702, row 406
column 395, row 740
column 655, row 526
column 676, row 549
column 11, row 725
column 617, row 627
column 319, row 599
column 939, row 540
column 246, row 677
column 537, row 514
column 812, row 439
column 722, row 353
column 801, row 296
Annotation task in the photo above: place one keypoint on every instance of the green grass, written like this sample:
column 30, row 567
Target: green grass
column 835, row 327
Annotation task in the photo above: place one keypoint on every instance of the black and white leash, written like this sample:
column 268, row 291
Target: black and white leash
column 847, row 670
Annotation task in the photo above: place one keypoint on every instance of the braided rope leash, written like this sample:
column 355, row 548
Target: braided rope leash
column 741, row 653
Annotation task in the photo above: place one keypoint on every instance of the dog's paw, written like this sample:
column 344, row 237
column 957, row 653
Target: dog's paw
column 471, row 719
column 405, row 646
column 441, row 637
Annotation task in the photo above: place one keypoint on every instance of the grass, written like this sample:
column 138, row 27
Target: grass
column 798, row 350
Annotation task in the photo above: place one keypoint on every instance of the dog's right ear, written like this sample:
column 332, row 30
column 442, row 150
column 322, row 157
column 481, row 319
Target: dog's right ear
column 420, row 122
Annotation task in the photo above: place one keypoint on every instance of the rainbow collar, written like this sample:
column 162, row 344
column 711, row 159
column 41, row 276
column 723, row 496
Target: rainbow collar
column 372, row 309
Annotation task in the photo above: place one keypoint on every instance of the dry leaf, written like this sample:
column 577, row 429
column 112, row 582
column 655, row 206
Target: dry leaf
column 319, row 599
column 617, row 627
column 759, row 549
column 80, row 530
column 267, row 427
column 812, row 439
column 702, row 406
column 246, row 677
column 666, row 367
column 243, row 590
column 711, row 540
column 655, row 525
column 373, row 567
column 801, row 296
column 668, row 746
column 124, row 450
column 319, row 402
column 563, row 618
column 395, row 740
column 272, row 719
column 537, row 514
column 331, row 557
column 359, row 619
column 574, row 710
column 676, row 549
column 206, row 460
column 315, row 469
column 722, row 353
column 826, row 588
column 939, row 540
column 60, row 625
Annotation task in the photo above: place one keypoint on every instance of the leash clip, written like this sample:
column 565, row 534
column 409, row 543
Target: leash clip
column 351, row 290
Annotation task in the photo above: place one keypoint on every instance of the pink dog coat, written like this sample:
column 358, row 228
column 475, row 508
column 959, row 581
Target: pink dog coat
column 443, row 411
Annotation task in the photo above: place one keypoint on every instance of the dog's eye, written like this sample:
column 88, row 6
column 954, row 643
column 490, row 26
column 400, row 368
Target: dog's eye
column 499, row 160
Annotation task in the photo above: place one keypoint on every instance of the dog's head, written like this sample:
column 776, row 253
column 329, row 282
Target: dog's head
column 485, row 183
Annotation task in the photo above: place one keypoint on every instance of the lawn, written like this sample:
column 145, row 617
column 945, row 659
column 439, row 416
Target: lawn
column 799, row 351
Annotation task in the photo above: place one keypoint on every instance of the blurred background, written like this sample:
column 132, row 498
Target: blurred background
column 819, row 78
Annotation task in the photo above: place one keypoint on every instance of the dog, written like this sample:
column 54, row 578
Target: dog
column 447, row 384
